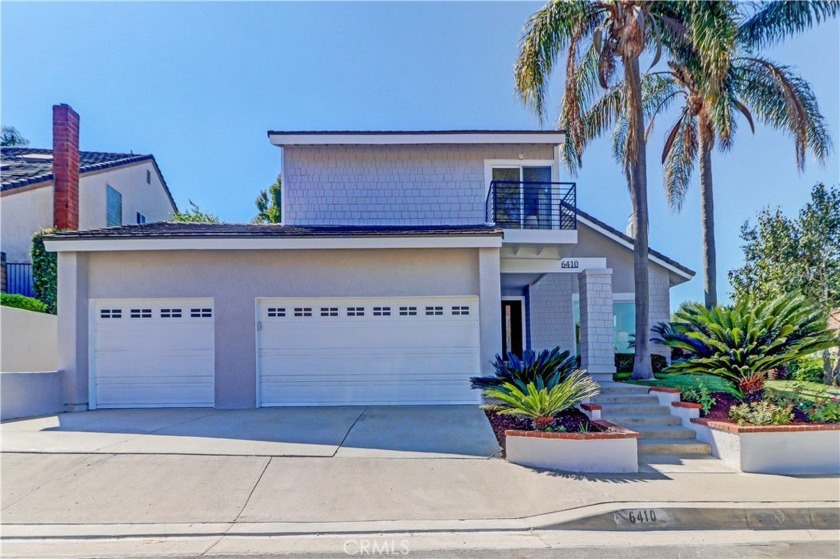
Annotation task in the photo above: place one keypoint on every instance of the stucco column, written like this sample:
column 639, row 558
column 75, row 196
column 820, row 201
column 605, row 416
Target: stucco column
column 73, row 329
column 490, row 312
column 597, row 326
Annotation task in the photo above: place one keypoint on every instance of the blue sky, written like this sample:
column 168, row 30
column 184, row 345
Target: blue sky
column 199, row 84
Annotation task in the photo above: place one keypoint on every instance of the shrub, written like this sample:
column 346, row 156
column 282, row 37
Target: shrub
column 743, row 342
column 701, row 395
column 45, row 271
column 809, row 369
column 825, row 410
column 624, row 362
column 22, row 302
column 540, row 401
column 531, row 367
column 761, row 413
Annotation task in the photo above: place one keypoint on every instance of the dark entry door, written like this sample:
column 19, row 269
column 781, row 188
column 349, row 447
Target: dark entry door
column 512, row 328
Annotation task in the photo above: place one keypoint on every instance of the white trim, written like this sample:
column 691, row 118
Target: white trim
column 546, row 266
column 540, row 236
column 269, row 243
column 283, row 186
column 521, row 299
column 627, row 244
column 416, row 138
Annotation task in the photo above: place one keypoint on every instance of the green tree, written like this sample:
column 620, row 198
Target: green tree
column 752, row 85
column 10, row 137
column 195, row 215
column 795, row 256
column 614, row 31
column 268, row 203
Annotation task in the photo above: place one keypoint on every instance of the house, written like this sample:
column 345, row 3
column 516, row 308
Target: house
column 68, row 189
column 406, row 262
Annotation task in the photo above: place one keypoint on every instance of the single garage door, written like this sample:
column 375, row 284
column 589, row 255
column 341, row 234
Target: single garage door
column 152, row 353
column 333, row 351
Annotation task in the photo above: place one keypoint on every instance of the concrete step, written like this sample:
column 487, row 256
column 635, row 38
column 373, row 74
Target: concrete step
column 664, row 432
column 622, row 388
column 626, row 399
column 672, row 446
column 631, row 421
column 633, row 409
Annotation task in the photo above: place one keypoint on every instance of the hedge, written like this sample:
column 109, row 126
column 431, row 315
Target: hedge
column 624, row 362
column 22, row 302
column 45, row 271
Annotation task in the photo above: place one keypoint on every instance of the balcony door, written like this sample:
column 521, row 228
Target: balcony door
column 523, row 197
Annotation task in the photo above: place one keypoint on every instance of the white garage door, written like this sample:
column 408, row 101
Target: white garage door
column 152, row 353
column 367, row 350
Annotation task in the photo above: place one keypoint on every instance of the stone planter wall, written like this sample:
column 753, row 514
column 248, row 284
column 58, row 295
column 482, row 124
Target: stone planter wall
column 613, row 450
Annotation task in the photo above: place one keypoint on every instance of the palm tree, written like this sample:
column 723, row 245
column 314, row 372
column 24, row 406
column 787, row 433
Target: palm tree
column 616, row 30
column 752, row 85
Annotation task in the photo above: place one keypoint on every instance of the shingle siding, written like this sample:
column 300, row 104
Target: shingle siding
column 550, row 313
column 660, row 303
column 392, row 185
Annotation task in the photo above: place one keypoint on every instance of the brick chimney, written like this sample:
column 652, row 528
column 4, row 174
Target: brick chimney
column 65, row 167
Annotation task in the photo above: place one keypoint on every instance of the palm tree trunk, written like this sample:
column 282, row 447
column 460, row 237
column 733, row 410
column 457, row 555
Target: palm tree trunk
column 707, row 217
column 638, row 192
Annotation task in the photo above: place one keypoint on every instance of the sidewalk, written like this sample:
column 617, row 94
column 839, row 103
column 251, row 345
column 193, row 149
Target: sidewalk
column 54, row 489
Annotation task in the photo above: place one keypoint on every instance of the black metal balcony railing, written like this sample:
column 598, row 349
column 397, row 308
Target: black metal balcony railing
column 532, row 205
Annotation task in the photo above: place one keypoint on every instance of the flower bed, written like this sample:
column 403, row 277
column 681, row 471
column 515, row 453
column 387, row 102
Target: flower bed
column 600, row 447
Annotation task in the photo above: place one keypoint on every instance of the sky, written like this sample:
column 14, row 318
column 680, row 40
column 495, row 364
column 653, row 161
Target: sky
column 199, row 84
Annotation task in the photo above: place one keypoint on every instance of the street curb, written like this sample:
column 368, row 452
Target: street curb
column 615, row 516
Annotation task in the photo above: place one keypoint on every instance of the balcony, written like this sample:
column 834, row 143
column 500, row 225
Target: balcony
column 533, row 212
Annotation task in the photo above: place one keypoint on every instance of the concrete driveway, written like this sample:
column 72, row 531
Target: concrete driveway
column 352, row 431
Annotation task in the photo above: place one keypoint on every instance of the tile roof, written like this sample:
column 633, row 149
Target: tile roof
column 22, row 166
column 168, row 230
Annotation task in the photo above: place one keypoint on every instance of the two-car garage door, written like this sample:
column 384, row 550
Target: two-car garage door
column 393, row 350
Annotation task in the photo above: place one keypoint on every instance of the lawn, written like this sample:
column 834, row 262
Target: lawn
column 802, row 390
column 684, row 382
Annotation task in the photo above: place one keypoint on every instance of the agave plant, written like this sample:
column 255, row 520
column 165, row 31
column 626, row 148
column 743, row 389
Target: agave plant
column 742, row 343
column 540, row 401
column 532, row 366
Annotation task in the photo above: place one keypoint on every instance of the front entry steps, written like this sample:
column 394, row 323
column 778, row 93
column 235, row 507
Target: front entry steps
column 632, row 407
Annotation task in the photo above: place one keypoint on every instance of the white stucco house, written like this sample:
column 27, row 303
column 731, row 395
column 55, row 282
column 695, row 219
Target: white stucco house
column 406, row 261
column 66, row 188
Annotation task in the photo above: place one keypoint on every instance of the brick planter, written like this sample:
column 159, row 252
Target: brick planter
column 774, row 449
column 611, row 450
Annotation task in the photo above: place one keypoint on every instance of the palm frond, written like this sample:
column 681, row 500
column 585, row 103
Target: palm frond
column 545, row 35
column 780, row 98
column 678, row 159
column 776, row 21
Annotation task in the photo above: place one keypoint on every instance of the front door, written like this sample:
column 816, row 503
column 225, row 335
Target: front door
column 512, row 328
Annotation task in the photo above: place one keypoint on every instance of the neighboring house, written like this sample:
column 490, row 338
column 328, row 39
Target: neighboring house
column 68, row 189
column 406, row 261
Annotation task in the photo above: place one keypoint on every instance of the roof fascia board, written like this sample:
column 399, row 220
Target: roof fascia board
column 306, row 243
column 629, row 245
column 419, row 138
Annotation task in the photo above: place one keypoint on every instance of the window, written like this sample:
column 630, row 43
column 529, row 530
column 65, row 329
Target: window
column 113, row 207
column 201, row 313
column 110, row 313
column 170, row 313
column 408, row 311
column 148, row 177
column 329, row 311
column 434, row 311
column 276, row 312
column 523, row 196
column 355, row 311
column 381, row 311
column 460, row 311
column 303, row 311
column 141, row 219
column 141, row 313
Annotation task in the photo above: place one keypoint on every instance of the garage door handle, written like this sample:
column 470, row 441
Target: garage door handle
column 259, row 325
